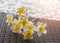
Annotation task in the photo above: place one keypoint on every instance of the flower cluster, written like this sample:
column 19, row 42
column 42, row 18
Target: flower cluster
column 20, row 23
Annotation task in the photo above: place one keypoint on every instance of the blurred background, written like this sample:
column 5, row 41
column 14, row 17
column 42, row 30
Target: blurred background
column 48, row 9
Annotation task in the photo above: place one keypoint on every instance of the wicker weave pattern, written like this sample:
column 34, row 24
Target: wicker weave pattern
column 7, row 36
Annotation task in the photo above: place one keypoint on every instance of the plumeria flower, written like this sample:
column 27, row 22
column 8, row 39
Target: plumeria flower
column 28, row 34
column 21, row 10
column 21, row 24
column 23, row 21
column 15, row 22
column 29, row 26
column 16, row 28
column 9, row 18
column 41, row 29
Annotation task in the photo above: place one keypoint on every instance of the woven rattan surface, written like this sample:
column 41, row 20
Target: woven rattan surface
column 7, row 36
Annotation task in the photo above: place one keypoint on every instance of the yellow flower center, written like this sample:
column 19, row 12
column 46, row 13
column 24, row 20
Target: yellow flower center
column 15, row 22
column 9, row 19
column 23, row 21
column 16, row 28
column 41, row 28
column 29, row 26
column 21, row 10
column 27, row 34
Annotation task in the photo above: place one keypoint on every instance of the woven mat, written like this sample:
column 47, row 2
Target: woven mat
column 7, row 36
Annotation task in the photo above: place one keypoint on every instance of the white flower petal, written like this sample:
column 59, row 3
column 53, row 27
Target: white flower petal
column 45, row 24
column 8, row 24
column 39, row 34
column 45, row 32
column 38, row 23
column 7, row 15
column 34, row 28
column 19, row 31
column 6, row 21
column 32, row 32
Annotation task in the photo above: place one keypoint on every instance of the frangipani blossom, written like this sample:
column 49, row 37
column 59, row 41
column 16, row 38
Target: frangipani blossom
column 28, row 34
column 23, row 21
column 15, row 22
column 21, row 24
column 41, row 29
column 21, row 10
column 16, row 28
column 29, row 26
column 9, row 18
